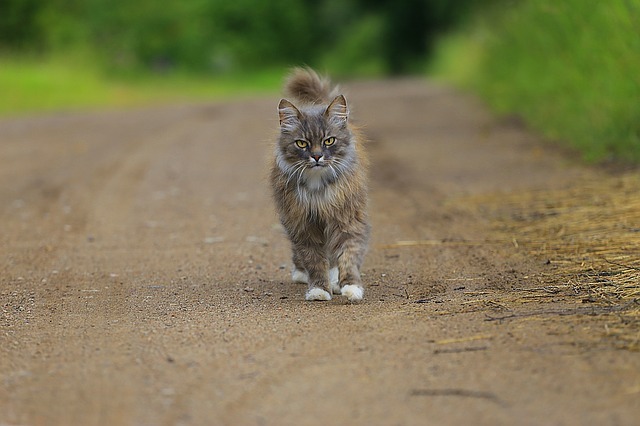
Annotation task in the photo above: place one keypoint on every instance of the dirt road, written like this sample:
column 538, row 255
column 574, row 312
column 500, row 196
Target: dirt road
column 144, row 279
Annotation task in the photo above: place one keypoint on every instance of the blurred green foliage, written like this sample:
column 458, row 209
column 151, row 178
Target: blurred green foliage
column 31, row 85
column 572, row 72
column 347, row 37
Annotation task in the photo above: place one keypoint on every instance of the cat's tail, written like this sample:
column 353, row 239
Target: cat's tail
column 305, row 85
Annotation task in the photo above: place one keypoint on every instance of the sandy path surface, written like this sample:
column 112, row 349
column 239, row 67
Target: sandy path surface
column 144, row 279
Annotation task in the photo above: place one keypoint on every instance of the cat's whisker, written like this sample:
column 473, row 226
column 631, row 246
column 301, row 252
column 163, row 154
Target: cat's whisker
column 297, row 167
column 333, row 170
column 341, row 165
column 298, row 170
column 300, row 174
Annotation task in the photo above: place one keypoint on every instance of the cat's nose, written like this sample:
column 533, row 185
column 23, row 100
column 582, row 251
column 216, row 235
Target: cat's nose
column 316, row 157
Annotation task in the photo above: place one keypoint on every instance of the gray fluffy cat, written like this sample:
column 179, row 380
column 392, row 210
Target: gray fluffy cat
column 318, row 176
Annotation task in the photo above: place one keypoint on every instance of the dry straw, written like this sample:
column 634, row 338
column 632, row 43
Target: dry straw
column 591, row 232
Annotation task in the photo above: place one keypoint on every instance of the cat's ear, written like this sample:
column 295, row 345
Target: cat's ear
column 289, row 114
column 337, row 110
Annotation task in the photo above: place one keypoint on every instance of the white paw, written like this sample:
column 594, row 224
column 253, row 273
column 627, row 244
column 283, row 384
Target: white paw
column 354, row 293
column 334, row 279
column 300, row 276
column 317, row 294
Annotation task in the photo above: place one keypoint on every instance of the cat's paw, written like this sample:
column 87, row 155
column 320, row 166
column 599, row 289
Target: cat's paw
column 354, row 293
column 300, row 276
column 317, row 294
column 334, row 279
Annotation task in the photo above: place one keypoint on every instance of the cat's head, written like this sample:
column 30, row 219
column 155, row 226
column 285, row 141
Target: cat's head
column 315, row 141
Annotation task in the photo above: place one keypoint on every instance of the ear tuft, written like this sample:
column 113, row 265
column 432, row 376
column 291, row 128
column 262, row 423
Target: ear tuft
column 288, row 113
column 338, row 110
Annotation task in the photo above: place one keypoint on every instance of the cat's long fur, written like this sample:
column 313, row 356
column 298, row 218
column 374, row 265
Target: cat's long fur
column 320, row 190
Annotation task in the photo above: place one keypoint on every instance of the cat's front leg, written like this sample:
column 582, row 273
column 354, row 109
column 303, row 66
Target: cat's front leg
column 317, row 268
column 351, row 251
column 299, row 273
column 319, row 288
column 351, row 286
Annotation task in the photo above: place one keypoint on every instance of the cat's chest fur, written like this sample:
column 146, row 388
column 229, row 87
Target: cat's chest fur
column 314, row 180
column 316, row 195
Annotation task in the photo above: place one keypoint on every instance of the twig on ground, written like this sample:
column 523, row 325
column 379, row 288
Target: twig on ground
column 413, row 243
column 460, row 350
column 464, row 393
column 464, row 339
column 620, row 264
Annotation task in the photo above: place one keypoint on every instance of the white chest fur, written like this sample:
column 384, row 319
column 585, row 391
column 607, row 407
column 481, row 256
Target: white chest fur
column 314, row 179
column 315, row 194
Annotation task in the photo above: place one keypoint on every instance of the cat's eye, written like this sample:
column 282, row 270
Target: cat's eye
column 329, row 141
column 302, row 144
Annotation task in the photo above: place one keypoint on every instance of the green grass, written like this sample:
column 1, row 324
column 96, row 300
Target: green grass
column 571, row 71
column 32, row 85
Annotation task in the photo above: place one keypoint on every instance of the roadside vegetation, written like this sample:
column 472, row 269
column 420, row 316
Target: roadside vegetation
column 31, row 85
column 71, row 54
column 570, row 72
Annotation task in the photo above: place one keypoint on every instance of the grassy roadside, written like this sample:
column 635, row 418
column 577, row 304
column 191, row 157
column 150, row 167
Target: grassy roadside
column 29, row 85
column 571, row 72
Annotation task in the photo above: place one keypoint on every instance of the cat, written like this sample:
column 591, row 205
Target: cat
column 319, row 181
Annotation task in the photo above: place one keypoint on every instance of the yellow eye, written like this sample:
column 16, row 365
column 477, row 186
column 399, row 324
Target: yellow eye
column 302, row 144
column 329, row 141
